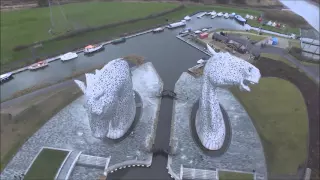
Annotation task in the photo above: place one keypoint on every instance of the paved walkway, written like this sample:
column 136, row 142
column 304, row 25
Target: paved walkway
column 65, row 168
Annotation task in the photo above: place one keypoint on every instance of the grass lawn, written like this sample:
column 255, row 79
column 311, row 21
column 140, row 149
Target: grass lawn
column 47, row 164
column 277, row 58
column 225, row 175
column 255, row 37
column 287, row 30
column 36, row 27
column 279, row 114
column 252, row 36
column 295, row 43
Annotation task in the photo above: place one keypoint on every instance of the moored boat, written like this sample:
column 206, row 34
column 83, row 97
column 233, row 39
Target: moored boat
column 202, row 14
column 117, row 41
column 226, row 15
column 212, row 17
column 157, row 30
column 68, row 56
column 202, row 61
column 5, row 77
column 232, row 15
column 185, row 31
column 213, row 13
column 204, row 30
column 38, row 65
column 220, row 14
column 240, row 19
column 93, row 48
column 187, row 18
column 176, row 25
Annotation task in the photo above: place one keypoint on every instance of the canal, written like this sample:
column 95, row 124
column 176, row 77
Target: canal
column 169, row 55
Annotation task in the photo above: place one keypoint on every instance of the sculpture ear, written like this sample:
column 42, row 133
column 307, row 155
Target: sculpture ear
column 81, row 85
column 90, row 79
column 212, row 52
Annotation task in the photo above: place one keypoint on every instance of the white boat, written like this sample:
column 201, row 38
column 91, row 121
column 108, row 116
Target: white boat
column 185, row 31
column 226, row 15
column 200, row 15
column 68, row 56
column 92, row 48
column 38, row 65
column 184, row 21
column 187, row 18
column 269, row 23
column 175, row 25
column 5, row 77
column 197, row 31
column 201, row 61
column 220, row 14
column 204, row 29
column 240, row 19
column 251, row 17
column 159, row 29
column 212, row 17
column 247, row 16
column 213, row 13
column 208, row 13
column 232, row 15
column 274, row 24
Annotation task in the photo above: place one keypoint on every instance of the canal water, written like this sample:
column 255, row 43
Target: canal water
column 169, row 55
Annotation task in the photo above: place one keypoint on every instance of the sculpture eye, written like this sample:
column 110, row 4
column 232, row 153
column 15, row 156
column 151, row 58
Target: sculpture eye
column 250, row 68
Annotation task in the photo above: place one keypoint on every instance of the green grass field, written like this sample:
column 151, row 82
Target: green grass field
column 287, row 30
column 225, row 175
column 277, row 58
column 46, row 165
column 279, row 114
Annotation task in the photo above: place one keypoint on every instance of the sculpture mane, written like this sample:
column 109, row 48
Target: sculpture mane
column 109, row 99
column 221, row 70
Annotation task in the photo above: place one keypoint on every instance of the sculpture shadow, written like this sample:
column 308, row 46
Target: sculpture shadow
column 195, row 137
column 134, row 123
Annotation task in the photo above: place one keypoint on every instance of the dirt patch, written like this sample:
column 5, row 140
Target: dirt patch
column 310, row 92
column 286, row 17
column 20, row 121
